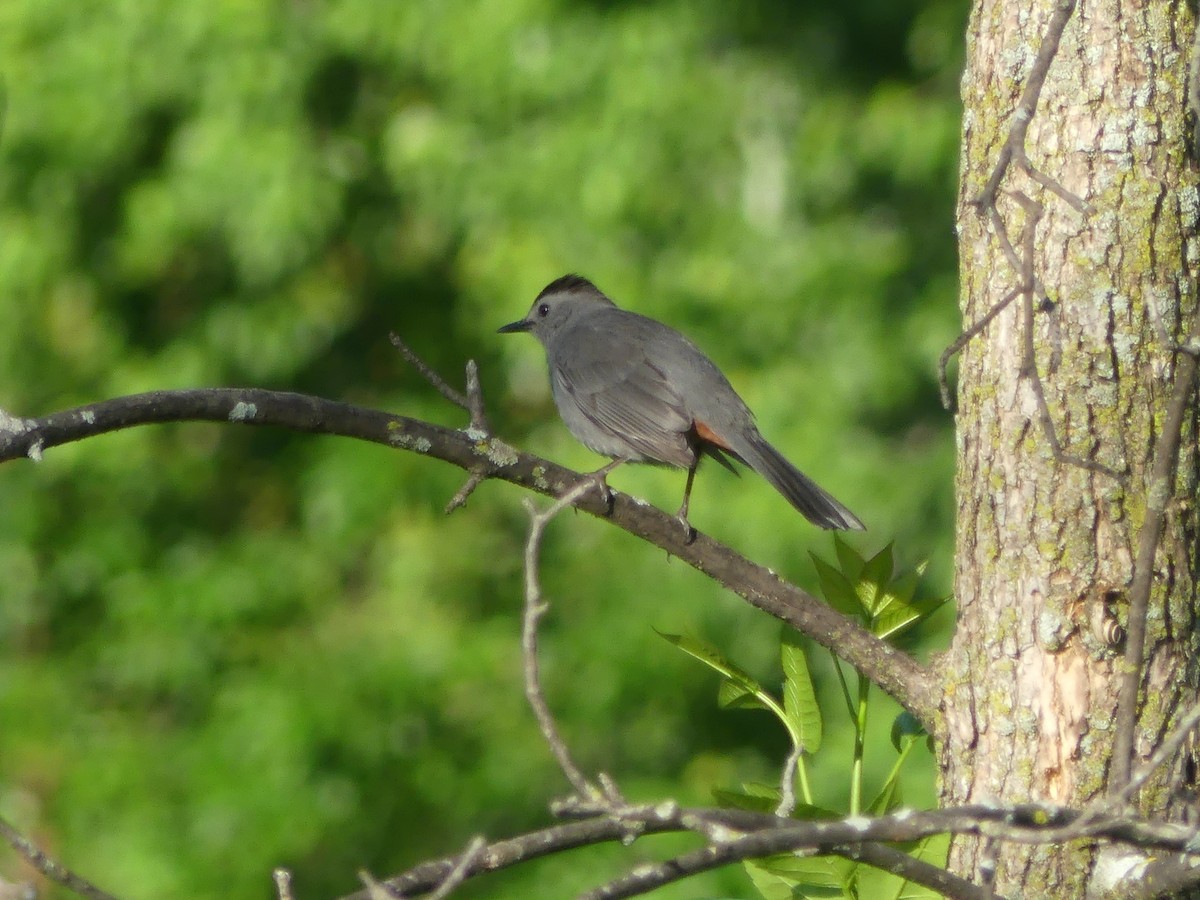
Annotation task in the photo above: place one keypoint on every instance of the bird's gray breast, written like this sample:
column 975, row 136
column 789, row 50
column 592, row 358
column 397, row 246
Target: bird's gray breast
column 612, row 381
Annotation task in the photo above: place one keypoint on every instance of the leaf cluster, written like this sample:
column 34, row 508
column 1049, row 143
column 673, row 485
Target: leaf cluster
column 871, row 591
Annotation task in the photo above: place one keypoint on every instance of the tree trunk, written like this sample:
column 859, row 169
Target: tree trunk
column 1046, row 546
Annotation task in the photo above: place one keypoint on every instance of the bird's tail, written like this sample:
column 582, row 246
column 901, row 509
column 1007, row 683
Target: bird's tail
column 817, row 505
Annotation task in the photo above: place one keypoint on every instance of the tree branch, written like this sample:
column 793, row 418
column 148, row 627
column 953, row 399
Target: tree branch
column 472, row 402
column 889, row 859
column 1014, row 146
column 646, row 878
column 1159, row 491
column 51, row 868
column 897, row 673
column 535, row 608
column 1013, row 153
column 735, row 835
column 968, row 335
column 1029, row 369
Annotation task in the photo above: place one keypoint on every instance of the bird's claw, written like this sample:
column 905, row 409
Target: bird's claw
column 689, row 533
column 606, row 494
column 606, row 497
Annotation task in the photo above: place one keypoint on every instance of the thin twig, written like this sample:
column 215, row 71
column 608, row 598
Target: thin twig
column 1166, row 750
column 990, row 849
column 1014, row 145
column 510, row 852
column 787, row 783
column 475, row 478
column 1019, row 266
column 648, row 877
column 1033, row 215
column 283, row 884
column 1055, row 187
column 480, row 427
column 1029, row 370
column 1108, row 806
column 1000, row 229
column 472, row 402
column 889, row 859
column 479, row 419
column 1159, row 490
column 376, row 889
column 51, row 868
column 462, row 868
column 633, row 819
column 965, row 338
column 1013, row 152
column 456, row 397
column 535, row 608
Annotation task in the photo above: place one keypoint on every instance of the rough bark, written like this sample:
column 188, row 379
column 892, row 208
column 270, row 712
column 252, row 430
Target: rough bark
column 1045, row 548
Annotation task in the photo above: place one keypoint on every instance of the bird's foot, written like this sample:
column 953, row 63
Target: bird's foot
column 600, row 479
column 606, row 494
column 689, row 533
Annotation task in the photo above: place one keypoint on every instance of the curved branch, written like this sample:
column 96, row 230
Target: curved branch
column 536, row 606
column 1159, row 492
column 734, row 835
column 649, row 877
column 1014, row 146
column 895, row 672
column 51, row 868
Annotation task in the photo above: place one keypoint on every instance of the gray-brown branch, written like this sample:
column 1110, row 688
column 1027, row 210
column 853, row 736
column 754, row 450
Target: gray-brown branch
column 897, row 673
column 51, row 868
column 751, row 835
column 1159, row 492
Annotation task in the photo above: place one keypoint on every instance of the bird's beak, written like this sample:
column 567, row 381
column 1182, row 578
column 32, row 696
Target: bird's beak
column 519, row 325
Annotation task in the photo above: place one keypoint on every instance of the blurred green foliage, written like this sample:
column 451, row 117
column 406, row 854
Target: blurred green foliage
column 224, row 649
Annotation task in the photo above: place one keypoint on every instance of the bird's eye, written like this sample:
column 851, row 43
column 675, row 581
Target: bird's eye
column 544, row 310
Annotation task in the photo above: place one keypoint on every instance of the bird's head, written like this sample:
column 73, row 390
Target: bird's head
column 561, row 301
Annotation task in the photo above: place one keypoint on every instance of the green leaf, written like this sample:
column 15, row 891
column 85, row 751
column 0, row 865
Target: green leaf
column 877, row 884
column 711, row 657
column 895, row 620
column 849, row 561
column 873, row 583
column 770, row 887
column 760, row 797
column 899, row 618
column 889, row 796
column 809, row 876
column 904, row 586
column 807, row 812
column 745, row 799
column 905, row 730
column 800, row 708
column 735, row 695
column 838, row 591
column 740, row 690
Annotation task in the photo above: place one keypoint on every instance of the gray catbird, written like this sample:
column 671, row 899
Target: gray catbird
column 633, row 389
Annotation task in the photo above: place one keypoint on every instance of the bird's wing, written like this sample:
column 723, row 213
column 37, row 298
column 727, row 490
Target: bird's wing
column 620, row 389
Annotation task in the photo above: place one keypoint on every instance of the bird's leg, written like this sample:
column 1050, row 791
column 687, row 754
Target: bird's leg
column 689, row 533
column 599, row 477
